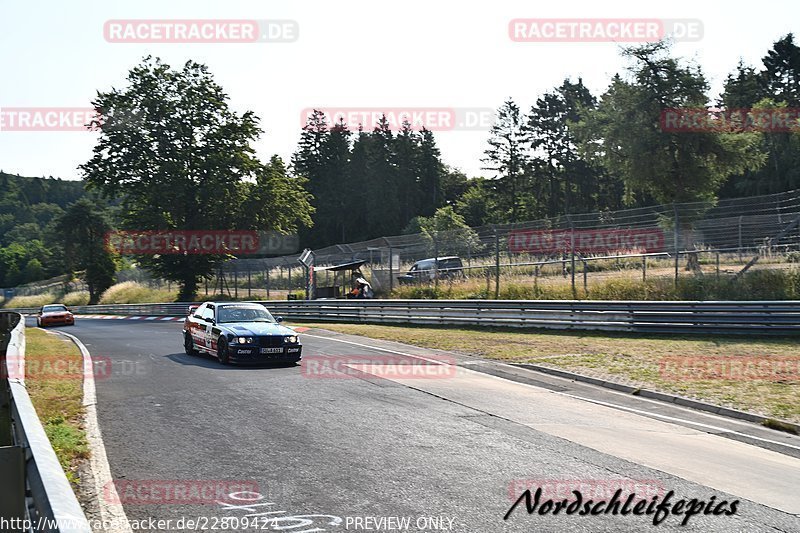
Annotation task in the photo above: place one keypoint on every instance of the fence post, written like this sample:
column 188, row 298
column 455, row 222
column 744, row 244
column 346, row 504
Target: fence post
column 572, row 256
column 740, row 237
column 644, row 268
column 235, row 281
column 290, row 277
column 391, row 267
column 435, row 260
column 496, row 263
column 536, row 280
column 717, row 265
column 248, row 282
column 268, row 283
column 677, row 242
column 585, row 277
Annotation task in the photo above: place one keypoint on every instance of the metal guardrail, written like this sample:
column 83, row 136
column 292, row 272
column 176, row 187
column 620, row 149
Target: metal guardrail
column 33, row 486
column 729, row 317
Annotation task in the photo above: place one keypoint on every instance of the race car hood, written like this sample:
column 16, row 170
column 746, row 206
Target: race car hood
column 253, row 329
column 53, row 314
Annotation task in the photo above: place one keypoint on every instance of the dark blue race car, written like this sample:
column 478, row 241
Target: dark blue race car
column 239, row 332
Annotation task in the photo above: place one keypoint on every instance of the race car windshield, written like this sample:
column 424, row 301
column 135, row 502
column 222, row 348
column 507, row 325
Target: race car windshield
column 53, row 308
column 244, row 314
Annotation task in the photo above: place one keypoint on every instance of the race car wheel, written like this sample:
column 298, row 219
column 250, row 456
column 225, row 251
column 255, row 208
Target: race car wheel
column 188, row 344
column 222, row 352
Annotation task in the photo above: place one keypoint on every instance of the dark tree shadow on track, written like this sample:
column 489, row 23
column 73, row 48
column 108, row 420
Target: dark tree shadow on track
column 208, row 361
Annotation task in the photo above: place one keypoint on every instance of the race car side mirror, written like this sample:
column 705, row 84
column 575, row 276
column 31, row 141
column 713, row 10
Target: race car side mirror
column 279, row 319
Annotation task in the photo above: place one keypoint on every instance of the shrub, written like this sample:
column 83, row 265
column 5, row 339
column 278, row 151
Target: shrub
column 131, row 292
column 36, row 300
column 76, row 298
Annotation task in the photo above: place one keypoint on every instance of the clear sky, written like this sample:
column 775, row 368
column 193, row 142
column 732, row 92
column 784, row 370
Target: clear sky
column 432, row 53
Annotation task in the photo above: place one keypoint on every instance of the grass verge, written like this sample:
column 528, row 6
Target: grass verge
column 57, row 394
column 637, row 360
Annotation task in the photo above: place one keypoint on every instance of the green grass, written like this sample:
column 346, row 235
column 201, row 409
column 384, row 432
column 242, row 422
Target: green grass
column 58, row 400
column 625, row 358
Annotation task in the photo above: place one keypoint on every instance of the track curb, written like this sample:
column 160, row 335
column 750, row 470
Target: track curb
column 656, row 395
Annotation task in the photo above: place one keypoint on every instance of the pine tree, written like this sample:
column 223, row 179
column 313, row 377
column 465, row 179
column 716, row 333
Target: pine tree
column 507, row 158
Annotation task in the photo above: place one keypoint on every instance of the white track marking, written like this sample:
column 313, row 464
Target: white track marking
column 615, row 406
column 98, row 461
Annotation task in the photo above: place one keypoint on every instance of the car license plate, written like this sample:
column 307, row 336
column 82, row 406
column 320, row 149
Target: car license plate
column 271, row 350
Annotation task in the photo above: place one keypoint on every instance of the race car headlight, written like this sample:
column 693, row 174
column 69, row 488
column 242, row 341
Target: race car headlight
column 244, row 340
column 291, row 339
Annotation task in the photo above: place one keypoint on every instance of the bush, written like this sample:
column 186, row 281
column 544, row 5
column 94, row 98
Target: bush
column 76, row 298
column 754, row 285
column 130, row 292
column 36, row 300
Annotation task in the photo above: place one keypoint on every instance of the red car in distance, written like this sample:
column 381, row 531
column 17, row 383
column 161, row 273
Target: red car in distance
column 54, row 315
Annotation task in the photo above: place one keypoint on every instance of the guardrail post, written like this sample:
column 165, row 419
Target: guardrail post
column 717, row 265
column 644, row 268
column 12, row 489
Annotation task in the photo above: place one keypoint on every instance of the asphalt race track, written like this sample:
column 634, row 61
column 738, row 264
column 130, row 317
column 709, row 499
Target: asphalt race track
column 446, row 454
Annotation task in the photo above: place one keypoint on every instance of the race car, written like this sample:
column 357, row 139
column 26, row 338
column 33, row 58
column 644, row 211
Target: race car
column 239, row 332
column 54, row 315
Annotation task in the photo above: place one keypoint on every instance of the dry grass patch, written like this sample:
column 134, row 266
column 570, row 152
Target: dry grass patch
column 635, row 359
column 57, row 393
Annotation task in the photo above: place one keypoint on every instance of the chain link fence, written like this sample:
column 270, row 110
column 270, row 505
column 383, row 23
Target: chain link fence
column 566, row 255
column 570, row 256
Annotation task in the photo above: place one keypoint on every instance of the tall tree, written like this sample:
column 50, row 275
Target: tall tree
column 507, row 158
column 435, row 184
column 180, row 159
column 383, row 210
column 83, row 229
column 781, row 73
column 671, row 166
column 408, row 172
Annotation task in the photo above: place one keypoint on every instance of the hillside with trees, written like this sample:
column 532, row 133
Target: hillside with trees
column 30, row 248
